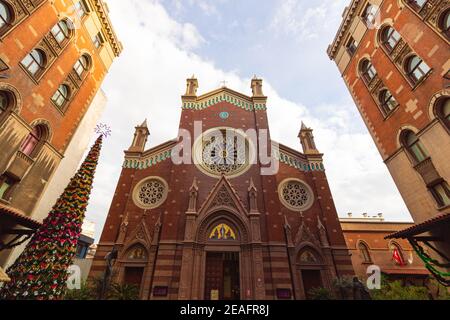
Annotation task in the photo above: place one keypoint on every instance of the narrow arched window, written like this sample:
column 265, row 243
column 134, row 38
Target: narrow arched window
column 34, row 62
column 414, row 146
column 352, row 46
column 5, row 16
column 387, row 101
column 444, row 23
column 5, row 101
column 416, row 68
column 365, row 254
column 82, row 66
column 397, row 254
column 443, row 111
column 389, row 38
column 60, row 31
column 6, row 184
column 31, row 142
column 61, row 96
column 368, row 71
column 441, row 193
column 80, row 8
column 369, row 15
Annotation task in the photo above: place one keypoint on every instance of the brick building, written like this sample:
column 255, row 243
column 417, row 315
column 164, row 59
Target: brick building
column 394, row 56
column 54, row 56
column 365, row 240
column 229, row 224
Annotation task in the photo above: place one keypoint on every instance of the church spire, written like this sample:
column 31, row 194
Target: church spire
column 256, row 86
column 191, row 87
column 140, row 137
column 307, row 140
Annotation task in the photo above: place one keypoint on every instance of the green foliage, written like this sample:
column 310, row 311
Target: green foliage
column 344, row 282
column 84, row 293
column 123, row 292
column 91, row 290
column 439, row 291
column 320, row 294
column 396, row 291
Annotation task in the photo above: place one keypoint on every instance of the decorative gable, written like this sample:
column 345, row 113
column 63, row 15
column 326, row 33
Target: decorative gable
column 224, row 95
column 223, row 195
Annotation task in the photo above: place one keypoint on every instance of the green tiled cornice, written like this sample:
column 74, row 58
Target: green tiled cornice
column 223, row 97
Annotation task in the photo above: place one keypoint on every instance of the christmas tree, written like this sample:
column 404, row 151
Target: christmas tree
column 41, row 271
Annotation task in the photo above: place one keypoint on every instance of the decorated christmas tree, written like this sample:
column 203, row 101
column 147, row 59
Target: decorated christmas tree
column 41, row 271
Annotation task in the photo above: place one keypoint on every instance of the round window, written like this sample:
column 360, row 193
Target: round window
column 223, row 151
column 150, row 193
column 295, row 194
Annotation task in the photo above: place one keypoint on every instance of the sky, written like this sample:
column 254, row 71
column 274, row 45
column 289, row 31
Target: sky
column 282, row 41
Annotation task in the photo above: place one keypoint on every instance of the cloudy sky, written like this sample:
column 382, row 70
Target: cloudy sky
column 282, row 41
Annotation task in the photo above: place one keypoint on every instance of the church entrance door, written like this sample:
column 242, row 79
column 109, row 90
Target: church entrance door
column 133, row 275
column 311, row 279
column 222, row 279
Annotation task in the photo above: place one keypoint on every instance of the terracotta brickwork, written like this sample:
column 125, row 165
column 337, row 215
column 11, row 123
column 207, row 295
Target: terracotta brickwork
column 30, row 96
column 28, row 84
column 370, row 232
column 419, row 101
column 269, row 238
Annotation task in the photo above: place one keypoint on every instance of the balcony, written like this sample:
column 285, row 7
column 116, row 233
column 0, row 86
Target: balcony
column 20, row 165
column 428, row 172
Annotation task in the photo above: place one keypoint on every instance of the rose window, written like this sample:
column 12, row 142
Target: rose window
column 295, row 195
column 224, row 152
column 150, row 193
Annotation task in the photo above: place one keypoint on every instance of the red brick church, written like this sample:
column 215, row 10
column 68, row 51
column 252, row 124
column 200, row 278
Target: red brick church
column 210, row 215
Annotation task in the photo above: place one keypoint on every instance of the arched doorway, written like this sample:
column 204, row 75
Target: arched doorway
column 133, row 265
column 219, row 259
column 311, row 270
column 222, row 265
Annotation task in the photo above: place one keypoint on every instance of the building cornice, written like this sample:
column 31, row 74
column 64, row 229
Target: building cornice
column 101, row 9
column 224, row 94
column 348, row 16
column 148, row 158
column 297, row 159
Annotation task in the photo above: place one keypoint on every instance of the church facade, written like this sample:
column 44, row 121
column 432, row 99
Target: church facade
column 222, row 211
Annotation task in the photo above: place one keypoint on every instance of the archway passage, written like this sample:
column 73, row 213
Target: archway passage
column 222, row 280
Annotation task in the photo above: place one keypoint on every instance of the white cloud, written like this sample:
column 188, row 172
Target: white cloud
column 149, row 78
column 206, row 7
column 303, row 19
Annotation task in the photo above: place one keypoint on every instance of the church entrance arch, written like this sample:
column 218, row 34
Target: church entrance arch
column 222, row 267
column 311, row 269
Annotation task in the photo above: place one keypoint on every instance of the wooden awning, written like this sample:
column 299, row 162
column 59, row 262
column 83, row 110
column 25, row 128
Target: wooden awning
column 421, row 227
column 12, row 216
column 15, row 227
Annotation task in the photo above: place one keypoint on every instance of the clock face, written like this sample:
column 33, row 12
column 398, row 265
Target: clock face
column 223, row 151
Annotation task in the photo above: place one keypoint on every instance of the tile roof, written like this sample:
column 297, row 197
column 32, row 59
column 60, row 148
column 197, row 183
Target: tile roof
column 421, row 227
column 15, row 215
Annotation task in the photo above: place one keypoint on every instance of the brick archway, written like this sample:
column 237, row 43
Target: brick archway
column 192, row 278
